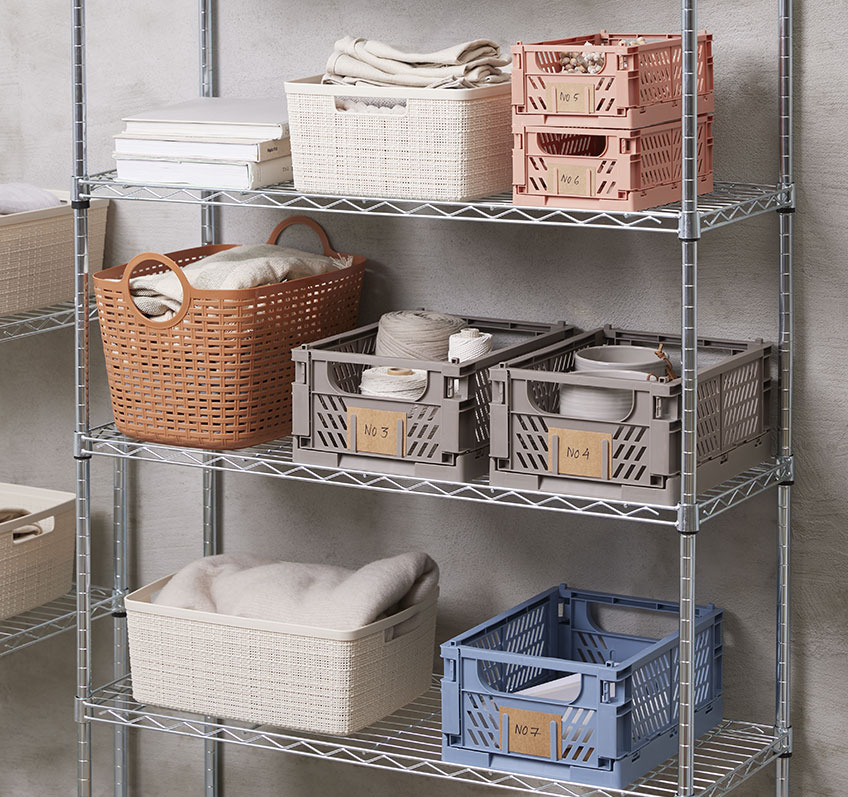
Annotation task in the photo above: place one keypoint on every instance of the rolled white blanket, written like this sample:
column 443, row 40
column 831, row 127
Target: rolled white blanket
column 323, row 596
column 159, row 296
column 465, row 65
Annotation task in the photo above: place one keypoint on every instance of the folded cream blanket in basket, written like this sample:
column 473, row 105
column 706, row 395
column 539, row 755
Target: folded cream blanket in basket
column 159, row 296
column 466, row 65
column 317, row 595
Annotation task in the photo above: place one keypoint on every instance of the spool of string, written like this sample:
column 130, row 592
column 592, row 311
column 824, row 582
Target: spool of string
column 400, row 383
column 468, row 344
column 416, row 334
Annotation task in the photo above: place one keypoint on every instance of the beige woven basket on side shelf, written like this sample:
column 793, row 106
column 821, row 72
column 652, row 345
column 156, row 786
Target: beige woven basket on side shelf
column 37, row 254
column 35, row 568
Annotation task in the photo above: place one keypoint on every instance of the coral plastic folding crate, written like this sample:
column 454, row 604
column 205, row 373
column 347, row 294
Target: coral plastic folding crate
column 444, row 434
column 637, row 84
column 544, row 690
column 633, row 452
column 588, row 168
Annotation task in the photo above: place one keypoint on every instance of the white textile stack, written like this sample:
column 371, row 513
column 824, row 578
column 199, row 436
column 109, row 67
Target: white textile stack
column 211, row 141
column 358, row 61
column 323, row 596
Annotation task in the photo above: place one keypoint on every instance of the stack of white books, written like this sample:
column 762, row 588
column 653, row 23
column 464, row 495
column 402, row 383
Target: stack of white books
column 213, row 142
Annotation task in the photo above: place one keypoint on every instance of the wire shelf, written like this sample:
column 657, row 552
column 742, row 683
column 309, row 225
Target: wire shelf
column 275, row 460
column 410, row 741
column 45, row 319
column 49, row 620
column 728, row 203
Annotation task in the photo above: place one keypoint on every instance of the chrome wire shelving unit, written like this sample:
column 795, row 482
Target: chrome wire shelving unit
column 409, row 741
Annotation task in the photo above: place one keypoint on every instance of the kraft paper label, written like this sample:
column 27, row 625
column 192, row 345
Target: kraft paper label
column 376, row 431
column 567, row 180
column 573, row 97
column 530, row 732
column 580, row 453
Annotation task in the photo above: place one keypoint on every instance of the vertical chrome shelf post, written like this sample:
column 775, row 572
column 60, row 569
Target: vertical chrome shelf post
column 687, row 524
column 81, row 419
column 120, row 653
column 785, row 366
column 211, row 478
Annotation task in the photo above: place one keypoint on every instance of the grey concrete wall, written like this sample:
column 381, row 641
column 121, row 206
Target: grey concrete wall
column 143, row 54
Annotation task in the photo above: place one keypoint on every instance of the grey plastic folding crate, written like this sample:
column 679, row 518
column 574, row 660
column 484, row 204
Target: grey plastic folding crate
column 636, row 458
column 617, row 718
column 442, row 435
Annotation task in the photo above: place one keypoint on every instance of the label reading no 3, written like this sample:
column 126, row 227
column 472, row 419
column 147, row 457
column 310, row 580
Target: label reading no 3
column 376, row 431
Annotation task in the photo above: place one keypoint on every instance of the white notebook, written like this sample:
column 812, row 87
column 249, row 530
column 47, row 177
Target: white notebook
column 215, row 117
column 204, row 174
column 223, row 149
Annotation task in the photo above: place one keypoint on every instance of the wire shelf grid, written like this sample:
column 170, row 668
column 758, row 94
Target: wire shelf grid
column 728, row 203
column 45, row 319
column 51, row 619
column 275, row 460
column 410, row 741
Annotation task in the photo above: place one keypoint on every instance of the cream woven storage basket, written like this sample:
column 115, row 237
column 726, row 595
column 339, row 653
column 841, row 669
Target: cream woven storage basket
column 35, row 569
column 264, row 672
column 37, row 254
column 448, row 144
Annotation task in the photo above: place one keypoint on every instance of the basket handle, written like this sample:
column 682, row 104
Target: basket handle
column 165, row 261
column 312, row 224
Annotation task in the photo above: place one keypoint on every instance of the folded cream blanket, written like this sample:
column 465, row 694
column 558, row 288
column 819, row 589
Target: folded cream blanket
column 159, row 296
column 21, row 197
column 466, row 65
column 323, row 596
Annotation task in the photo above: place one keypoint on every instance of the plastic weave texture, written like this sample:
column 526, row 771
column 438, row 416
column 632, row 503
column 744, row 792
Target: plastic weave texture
column 584, row 167
column 218, row 374
column 35, row 570
column 441, row 149
column 644, row 464
column 639, row 84
column 618, row 723
column 447, row 429
column 37, row 255
column 308, row 683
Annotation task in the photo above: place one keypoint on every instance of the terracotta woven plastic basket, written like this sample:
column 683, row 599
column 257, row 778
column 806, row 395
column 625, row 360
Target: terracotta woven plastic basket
column 218, row 374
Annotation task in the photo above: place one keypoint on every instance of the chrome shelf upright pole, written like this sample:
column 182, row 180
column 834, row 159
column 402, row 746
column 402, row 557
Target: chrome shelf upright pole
column 687, row 524
column 785, row 366
column 211, row 478
column 120, row 653
column 81, row 420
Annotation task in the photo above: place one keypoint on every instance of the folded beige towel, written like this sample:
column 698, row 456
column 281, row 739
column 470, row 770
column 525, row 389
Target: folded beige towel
column 159, row 296
column 466, row 65
column 317, row 595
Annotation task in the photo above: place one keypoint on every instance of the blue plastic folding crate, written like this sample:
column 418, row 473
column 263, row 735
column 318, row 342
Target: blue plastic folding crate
column 612, row 721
